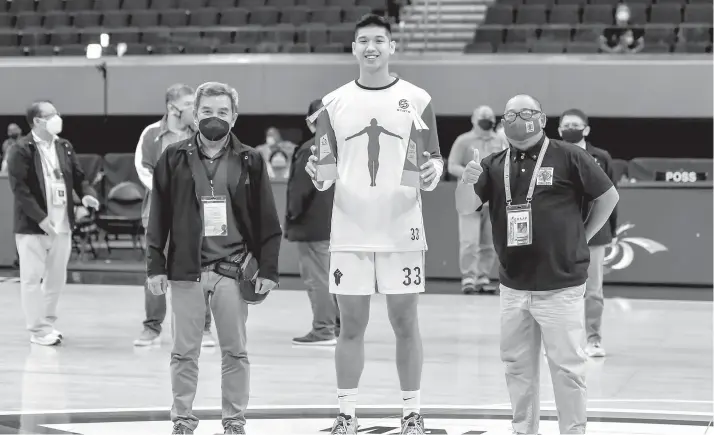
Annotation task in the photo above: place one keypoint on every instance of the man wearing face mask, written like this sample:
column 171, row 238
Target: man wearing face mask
column 574, row 128
column 278, row 153
column 43, row 172
column 476, row 244
column 623, row 38
column 13, row 135
column 176, row 125
column 536, row 189
column 213, row 195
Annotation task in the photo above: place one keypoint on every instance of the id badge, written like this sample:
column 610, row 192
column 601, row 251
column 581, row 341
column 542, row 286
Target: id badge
column 215, row 216
column 59, row 194
column 519, row 225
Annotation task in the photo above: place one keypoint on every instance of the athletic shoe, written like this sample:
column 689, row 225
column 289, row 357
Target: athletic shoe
column 412, row 424
column 468, row 287
column 57, row 333
column 344, row 425
column 482, row 281
column 208, row 340
column 313, row 340
column 234, row 429
column 180, row 429
column 48, row 340
column 595, row 350
column 147, row 338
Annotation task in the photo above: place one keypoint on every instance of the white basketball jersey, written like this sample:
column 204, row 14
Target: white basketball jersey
column 372, row 128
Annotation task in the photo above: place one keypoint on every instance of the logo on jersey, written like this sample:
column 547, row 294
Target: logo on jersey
column 403, row 106
column 338, row 276
column 373, row 132
column 544, row 177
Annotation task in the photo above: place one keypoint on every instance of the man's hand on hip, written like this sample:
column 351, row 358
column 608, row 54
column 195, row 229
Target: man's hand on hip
column 157, row 284
column 47, row 227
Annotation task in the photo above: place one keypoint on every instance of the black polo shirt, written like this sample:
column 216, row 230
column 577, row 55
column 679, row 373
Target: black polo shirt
column 559, row 255
column 608, row 231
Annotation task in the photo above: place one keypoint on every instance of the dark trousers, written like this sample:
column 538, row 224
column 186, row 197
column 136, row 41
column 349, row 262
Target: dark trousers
column 315, row 270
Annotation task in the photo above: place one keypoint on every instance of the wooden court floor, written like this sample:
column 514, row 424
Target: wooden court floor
column 660, row 356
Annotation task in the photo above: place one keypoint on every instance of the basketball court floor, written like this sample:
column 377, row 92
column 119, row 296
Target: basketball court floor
column 657, row 378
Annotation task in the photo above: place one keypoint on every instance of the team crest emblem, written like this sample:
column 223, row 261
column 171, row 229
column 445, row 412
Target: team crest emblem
column 544, row 177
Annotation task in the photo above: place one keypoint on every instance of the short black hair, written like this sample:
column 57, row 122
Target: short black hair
column 374, row 20
column 314, row 107
column 576, row 112
column 33, row 111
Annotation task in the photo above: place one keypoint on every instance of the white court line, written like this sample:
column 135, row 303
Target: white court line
column 323, row 407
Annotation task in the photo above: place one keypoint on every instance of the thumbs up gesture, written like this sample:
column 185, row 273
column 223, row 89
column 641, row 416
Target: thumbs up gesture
column 473, row 170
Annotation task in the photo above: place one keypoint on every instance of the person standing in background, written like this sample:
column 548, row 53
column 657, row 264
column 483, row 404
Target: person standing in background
column 13, row 135
column 308, row 219
column 574, row 128
column 277, row 153
column 176, row 125
column 43, row 173
column 476, row 254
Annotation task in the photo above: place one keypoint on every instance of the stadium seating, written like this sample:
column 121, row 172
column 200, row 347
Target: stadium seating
column 573, row 26
column 64, row 27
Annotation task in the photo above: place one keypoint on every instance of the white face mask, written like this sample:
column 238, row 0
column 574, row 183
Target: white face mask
column 54, row 125
column 623, row 16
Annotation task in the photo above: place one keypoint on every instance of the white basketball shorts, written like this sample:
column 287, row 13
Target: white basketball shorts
column 366, row 273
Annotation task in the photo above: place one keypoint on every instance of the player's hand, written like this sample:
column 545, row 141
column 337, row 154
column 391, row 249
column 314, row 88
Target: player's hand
column 90, row 202
column 157, row 284
column 473, row 170
column 311, row 167
column 264, row 285
column 428, row 171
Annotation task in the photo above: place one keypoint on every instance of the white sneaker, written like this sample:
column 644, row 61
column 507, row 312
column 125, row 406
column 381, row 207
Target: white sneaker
column 595, row 350
column 47, row 340
column 57, row 333
column 208, row 340
column 147, row 338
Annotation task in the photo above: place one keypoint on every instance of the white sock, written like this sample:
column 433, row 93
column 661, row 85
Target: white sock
column 347, row 400
column 411, row 401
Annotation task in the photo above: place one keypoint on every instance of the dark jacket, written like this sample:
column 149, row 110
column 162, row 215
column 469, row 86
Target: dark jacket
column 608, row 231
column 27, row 182
column 175, row 209
column 309, row 211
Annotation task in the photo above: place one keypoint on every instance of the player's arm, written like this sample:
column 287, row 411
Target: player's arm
column 431, row 146
column 323, row 131
column 143, row 164
column 456, row 164
column 610, row 171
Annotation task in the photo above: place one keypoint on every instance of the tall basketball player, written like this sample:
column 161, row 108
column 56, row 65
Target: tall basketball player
column 377, row 126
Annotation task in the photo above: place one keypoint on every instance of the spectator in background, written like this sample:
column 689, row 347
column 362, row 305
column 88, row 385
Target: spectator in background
column 277, row 153
column 623, row 38
column 309, row 215
column 574, row 128
column 176, row 125
column 13, row 135
column 43, row 173
column 476, row 243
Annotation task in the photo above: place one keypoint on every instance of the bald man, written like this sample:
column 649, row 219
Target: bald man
column 475, row 241
column 536, row 189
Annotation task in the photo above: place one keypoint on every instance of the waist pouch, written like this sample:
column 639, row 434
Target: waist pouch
column 243, row 268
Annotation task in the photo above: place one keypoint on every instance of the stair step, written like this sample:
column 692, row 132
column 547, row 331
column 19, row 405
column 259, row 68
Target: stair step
column 451, row 2
column 442, row 36
column 465, row 19
column 440, row 27
column 447, row 9
column 435, row 46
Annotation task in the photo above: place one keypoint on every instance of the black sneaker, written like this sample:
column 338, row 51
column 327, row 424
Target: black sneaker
column 180, row 429
column 412, row 424
column 344, row 425
column 234, row 429
column 313, row 340
column 469, row 288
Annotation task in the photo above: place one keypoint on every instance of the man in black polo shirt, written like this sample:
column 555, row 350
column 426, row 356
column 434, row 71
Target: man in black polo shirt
column 574, row 128
column 536, row 189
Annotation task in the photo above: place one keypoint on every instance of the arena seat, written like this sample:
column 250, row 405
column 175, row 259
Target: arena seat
column 542, row 25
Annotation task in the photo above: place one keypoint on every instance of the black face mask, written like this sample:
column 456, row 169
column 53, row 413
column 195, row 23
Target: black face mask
column 214, row 128
column 14, row 135
column 572, row 135
column 485, row 124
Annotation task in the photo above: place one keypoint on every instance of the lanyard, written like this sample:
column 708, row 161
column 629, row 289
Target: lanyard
column 211, row 173
column 507, row 174
column 48, row 160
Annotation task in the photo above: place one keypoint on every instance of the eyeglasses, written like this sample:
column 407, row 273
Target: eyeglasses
column 525, row 114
